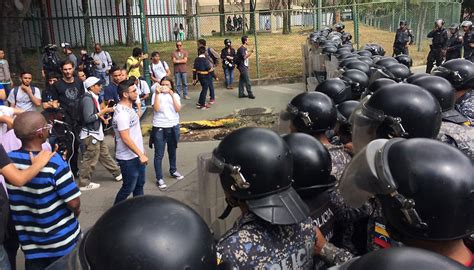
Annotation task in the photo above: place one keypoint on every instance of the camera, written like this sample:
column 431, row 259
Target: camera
column 50, row 58
column 88, row 65
column 228, row 64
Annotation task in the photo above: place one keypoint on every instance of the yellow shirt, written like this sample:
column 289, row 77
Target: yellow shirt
column 133, row 71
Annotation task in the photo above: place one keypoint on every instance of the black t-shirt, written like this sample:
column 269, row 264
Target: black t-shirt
column 4, row 205
column 69, row 96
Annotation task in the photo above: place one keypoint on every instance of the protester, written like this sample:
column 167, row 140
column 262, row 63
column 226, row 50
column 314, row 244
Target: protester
column 111, row 90
column 69, row 55
column 68, row 92
column 201, row 70
column 103, row 63
column 5, row 78
column 135, row 62
column 130, row 153
column 51, row 193
column 227, row 56
column 180, row 58
column 166, row 106
column 25, row 96
column 143, row 91
column 181, row 31
column 81, row 75
column 175, row 32
column 95, row 148
column 213, row 57
column 242, row 62
column 158, row 68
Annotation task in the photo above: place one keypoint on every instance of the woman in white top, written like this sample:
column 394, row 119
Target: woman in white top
column 166, row 106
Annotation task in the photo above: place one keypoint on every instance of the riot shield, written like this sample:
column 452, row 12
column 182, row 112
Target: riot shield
column 332, row 67
column 206, row 196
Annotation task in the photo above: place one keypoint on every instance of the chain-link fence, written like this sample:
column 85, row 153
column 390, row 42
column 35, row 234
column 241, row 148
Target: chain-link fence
column 275, row 35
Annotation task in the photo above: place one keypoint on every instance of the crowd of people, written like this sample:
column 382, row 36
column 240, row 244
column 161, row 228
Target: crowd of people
column 376, row 158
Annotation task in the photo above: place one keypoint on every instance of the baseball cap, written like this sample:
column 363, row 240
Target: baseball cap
column 91, row 81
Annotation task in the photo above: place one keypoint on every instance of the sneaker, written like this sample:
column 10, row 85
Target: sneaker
column 251, row 96
column 212, row 101
column 187, row 97
column 177, row 175
column 162, row 185
column 243, row 96
column 118, row 178
column 91, row 186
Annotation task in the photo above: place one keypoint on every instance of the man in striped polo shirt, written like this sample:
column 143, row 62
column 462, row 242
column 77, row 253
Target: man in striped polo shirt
column 45, row 210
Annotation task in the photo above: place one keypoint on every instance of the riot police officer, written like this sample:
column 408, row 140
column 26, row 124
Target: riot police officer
column 345, row 37
column 403, row 38
column 453, row 129
column 468, row 40
column 315, row 185
column 425, row 188
column 255, row 167
column 455, row 41
column 146, row 232
column 460, row 73
column 405, row 258
column 438, row 45
column 314, row 113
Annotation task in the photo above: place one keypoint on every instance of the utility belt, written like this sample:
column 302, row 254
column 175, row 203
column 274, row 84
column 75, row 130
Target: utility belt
column 202, row 72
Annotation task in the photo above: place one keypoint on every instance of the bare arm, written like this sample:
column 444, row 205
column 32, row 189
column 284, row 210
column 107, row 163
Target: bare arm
column 21, row 177
column 176, row 103
column 3, row 95
column 75, row 206
column 7, row 120
column 156, row 102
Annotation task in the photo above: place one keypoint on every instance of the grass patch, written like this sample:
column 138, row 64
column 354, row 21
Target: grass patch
column 279, row 55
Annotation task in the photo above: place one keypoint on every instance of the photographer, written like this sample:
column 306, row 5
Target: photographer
column 92, row 136
column 102, row 62
column 69, row 54
column 50, row 61
column 86, row 64
column 166, row 106
column 227, row 55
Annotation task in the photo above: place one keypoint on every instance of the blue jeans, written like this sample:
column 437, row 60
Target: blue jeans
column 181, row 83
column 102, row 75
column 4, row 262
column 204, row 80
column 39, row 264
column 133, row 173
column 229, row 76
column 161, row 137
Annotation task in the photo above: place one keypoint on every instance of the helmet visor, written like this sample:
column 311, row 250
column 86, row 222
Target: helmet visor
column 364, row 128
column 360, row 180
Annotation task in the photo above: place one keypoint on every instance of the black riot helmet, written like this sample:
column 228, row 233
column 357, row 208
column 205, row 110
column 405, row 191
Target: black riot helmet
column 396, row 110
column 459, row 72
column 404, row 59
column 375, row 49
column 344, row 50
column 345, row 109
column 358, row 81
column 359, row 65
column 467, row 24
column 406, row 258
column 425, row 187
column 397, row 72
column 256, row 166
column 311, row 165
column 329, row 50
column 366, row 60
column 336, row 89
column 386, row 61
column 149, row 232
column 349, row 46
column 444, row 92
column 439, row 23
column 364, row 53
column 348, row 60
column 379, row 83
column 403, row 23
column 311, row 112
column 339, row 26
column 454, row 27
column 415, row 76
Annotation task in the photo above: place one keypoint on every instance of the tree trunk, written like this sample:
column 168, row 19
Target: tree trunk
column 87, row 25
column 12, row 28
column 189, row 19
column 45, row 37
column 129, row 34
column 286, row 31
column 221, row 17
column 252, row 17
column 289, row 16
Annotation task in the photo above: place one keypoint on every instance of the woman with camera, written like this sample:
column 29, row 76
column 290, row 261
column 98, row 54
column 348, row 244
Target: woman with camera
column 227, row 55
column 166, row 106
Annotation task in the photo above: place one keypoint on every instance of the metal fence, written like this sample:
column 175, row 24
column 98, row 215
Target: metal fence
column 277, row 46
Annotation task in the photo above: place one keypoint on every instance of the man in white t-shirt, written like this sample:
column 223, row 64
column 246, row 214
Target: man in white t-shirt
column 25, row 96
column 143, row 91
column 130, row 153
column 158, row 68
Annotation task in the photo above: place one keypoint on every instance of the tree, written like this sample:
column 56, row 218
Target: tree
column 252, row 17
column 87, row 24
column 221, row 17
column 189, row 19
column 128, row 12
column 45, row 37
column 12, row 14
